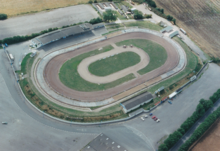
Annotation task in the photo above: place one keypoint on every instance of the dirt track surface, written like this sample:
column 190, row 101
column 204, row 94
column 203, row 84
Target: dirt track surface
column 84, row 64
column 210, row 140
column 52, row 68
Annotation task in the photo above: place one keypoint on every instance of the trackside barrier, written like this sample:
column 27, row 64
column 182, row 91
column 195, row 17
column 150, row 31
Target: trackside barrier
column 197, row 75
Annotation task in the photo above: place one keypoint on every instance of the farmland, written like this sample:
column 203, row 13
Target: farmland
column 14, row 7
column 200, row 18
column 210, row 140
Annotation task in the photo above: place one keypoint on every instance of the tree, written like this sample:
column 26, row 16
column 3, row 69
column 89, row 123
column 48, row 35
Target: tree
column 174, row 21
column 90, row 2
column 169, row 17
column 3, row 16
column 95, row 1
column 162, row 147
column 109, row 15
column 138, row 15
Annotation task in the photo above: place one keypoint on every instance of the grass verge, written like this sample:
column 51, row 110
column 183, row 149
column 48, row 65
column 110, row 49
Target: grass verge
column 114, row 64
column 144, row 24
column 156, row 52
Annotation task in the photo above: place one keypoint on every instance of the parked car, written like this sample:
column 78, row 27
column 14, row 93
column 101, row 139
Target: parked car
column 158, row 120
column 6, row 45
column 142, row 118
column 151, row 114
column 5, row 123
column 153, row 117
column 169, row 101
column 146, row 116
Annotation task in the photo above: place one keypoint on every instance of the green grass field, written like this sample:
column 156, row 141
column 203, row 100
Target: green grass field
column 156, row 52
column 71, row 78
column 114, row 64
column 144, row 24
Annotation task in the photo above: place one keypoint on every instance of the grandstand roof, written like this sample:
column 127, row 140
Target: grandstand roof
column 62, row 33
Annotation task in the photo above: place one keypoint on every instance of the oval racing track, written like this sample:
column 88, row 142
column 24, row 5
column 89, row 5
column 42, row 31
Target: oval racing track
column 52, row 68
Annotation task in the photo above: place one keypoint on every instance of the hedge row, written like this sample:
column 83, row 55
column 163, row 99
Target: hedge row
column 201, row 108
column 17, row 39
column 201, row 129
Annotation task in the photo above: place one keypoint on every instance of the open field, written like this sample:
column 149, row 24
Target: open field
column 200, row 19
column 70, row 77
column 14, row 7
column 210, row 140
column 114, row 64
column 156, row 52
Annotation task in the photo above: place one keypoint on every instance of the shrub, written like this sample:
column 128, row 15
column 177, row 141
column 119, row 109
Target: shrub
column 148, row 16
column 151, row 3
column 90, row 2
column 138, row 15
column 169, row 17
column 3, row 16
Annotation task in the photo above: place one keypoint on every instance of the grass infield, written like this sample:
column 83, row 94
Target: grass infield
column 156, row 52
column 70, row 77
column 114, row 64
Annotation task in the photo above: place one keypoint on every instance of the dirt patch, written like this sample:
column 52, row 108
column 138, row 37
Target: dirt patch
column 210, row 140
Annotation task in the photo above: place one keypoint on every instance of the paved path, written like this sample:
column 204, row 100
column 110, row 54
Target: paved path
column 84, row 64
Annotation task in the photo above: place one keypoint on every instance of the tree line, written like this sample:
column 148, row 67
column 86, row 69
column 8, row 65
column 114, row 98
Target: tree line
column 202, row 127
column 201, row 108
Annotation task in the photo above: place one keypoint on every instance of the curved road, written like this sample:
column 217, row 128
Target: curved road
column 52, row 68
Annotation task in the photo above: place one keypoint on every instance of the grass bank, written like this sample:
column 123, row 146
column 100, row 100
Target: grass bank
column 156, row 52
column 144, row 24
column 114, row 63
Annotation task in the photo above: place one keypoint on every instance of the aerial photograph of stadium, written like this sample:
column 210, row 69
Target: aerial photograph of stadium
column 110, row 75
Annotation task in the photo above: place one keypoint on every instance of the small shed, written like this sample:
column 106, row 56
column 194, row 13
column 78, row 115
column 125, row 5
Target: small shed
column 174, row 34
column 133, row 9
column 167, row 29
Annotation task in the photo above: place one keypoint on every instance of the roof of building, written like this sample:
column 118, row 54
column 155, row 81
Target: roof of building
column 167, row 29
column 58, row 34
column 137, row 100
column 174, row 34
column 103, row 143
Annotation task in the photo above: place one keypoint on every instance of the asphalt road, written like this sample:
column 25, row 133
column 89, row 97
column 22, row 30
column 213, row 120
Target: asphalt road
column 34, row 23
